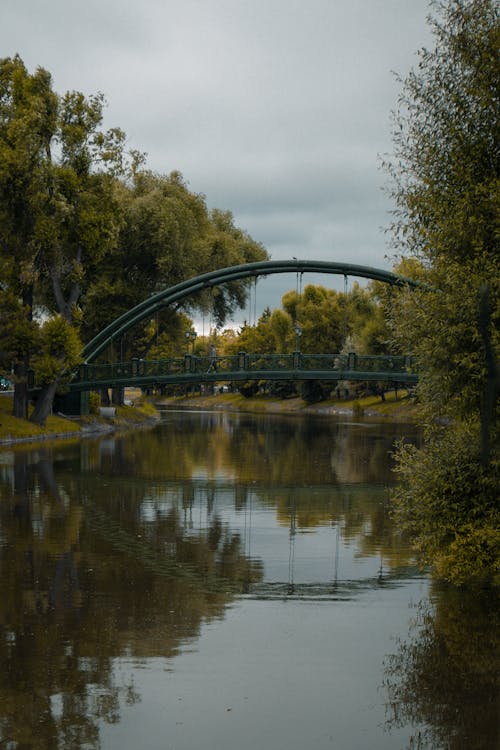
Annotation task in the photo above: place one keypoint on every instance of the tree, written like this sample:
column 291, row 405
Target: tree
column 19, row 332
column 319, row 312
column 273, row 334
column 27, row 123
column 167, row 235
column 58, row 213
column 367, row 319
column 224, row 245
column 445, row 184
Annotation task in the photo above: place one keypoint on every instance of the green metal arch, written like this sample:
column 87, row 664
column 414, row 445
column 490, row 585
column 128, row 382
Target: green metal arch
column 223, row 275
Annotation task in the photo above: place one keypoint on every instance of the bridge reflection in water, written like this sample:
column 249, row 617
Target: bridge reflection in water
column 245, row 366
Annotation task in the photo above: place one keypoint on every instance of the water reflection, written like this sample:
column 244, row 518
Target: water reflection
column 123, row 549
column 265, row 450
column 444, row 679
column 84, row 579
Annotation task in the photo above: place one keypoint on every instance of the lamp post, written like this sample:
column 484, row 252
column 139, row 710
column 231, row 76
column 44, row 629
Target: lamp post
column 296, row 354
column 190, row 336
column 298, row 334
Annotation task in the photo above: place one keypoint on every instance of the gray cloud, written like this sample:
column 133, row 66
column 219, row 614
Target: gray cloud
column 274, row 109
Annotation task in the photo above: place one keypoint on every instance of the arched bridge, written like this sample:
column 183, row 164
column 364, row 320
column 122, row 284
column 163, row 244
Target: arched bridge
column 244, row 366
column 148, row 307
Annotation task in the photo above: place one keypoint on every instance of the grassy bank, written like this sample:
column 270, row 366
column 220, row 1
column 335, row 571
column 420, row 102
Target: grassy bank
column 402, row 409
column 13, row 430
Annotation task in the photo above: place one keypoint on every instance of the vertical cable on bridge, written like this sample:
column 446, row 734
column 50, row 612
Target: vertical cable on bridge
column 344, row 325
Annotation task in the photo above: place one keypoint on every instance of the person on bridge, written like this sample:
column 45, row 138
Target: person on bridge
column 213, row 359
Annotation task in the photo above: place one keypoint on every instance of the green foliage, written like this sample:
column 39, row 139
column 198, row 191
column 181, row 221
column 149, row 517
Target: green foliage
column 357, row 409
column 273, row 334
column 447, row 500
column 324, row 316
column 60, row 351
column 319, row 312
column 167, row 235
column 313, row 391
column 249, row 388
column 441, row 329
column 57, row 209
column 87, row 232
column 169, row 342
column 282, row 388
column 94, row 402
column 19, row 333
column 58, row 214
column 446, row 187
column 446, row 172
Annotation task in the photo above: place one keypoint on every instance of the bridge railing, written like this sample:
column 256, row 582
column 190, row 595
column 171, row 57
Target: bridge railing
column 297, row 361
column 191, row 366
column 108, row 372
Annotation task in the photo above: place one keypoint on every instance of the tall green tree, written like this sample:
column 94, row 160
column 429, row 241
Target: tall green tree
column 28, row 109
column 58, row 213
column 445, row 184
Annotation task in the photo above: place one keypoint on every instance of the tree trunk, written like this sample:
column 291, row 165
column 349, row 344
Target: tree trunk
column 118, row 396
column 104, row 397
column 20, row 400
column 43, row 406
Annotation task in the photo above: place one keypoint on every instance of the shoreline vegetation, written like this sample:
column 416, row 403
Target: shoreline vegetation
column 401, row 408
column 144, row 411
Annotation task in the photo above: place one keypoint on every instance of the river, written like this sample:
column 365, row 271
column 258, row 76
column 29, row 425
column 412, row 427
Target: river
column 230, row 581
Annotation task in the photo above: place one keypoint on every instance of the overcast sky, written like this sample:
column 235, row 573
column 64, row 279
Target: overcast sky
column 277, row 110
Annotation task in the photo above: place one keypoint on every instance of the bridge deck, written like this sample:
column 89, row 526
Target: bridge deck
column 243, row 366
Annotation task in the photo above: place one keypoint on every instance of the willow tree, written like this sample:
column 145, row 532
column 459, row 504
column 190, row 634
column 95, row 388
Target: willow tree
column 167, row 235
column 445, row 184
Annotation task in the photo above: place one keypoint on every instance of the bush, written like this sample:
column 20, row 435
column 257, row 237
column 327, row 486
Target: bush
column 447, row 501
column 249, row 388
column 312, row 391
column 94, row 402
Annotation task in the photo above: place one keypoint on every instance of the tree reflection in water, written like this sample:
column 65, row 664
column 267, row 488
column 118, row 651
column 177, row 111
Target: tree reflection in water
column 444, row 680
column 68, row 607
column 121, row 549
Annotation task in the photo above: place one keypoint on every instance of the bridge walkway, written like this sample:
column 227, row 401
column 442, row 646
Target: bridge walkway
column 245, row 366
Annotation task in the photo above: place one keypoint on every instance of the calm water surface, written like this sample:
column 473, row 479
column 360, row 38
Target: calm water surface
column 229, row 581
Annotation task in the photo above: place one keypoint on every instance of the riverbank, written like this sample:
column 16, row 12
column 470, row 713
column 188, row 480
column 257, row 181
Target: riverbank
column 15, row 431
column 401, row 409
